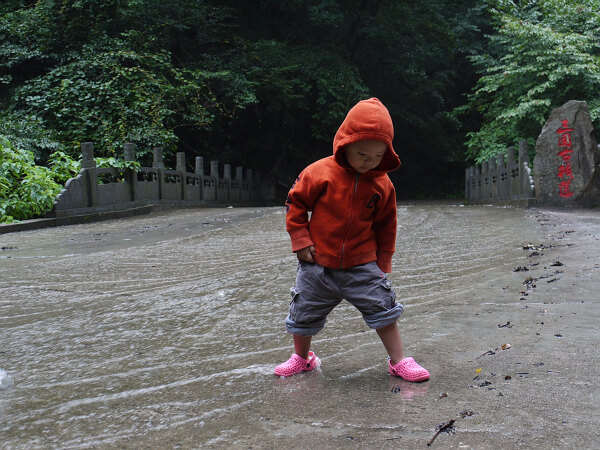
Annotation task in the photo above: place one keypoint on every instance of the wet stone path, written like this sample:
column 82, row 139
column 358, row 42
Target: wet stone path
column 162, row 331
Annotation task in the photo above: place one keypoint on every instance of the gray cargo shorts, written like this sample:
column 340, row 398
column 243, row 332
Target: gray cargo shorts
column 319, row 289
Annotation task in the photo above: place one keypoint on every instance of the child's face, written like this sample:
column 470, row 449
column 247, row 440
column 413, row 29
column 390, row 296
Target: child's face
column 365, row 155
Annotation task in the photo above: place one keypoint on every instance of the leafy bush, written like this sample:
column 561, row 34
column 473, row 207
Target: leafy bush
column 26, row 190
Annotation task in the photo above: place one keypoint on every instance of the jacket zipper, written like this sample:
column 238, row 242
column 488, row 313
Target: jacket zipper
column 350, row 219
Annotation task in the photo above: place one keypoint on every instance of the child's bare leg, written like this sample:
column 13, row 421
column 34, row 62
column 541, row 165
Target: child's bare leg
column 302, row 345
column 390, row 336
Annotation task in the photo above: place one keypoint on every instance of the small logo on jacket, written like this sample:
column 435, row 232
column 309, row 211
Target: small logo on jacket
column 373, row 202
column 288, row 200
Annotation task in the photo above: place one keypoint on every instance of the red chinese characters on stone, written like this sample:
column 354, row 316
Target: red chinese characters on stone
column 564, row 139
column 564, row 189
column 565, row 173
column 565, row 154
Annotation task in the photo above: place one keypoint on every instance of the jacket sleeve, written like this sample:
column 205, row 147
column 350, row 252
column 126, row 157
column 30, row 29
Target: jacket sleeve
column 385, row 232
column 301, row 199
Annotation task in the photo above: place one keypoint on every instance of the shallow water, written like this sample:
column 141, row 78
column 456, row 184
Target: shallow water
column 165, row 329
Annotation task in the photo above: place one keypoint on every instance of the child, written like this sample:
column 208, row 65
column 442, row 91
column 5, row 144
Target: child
column 346, row 247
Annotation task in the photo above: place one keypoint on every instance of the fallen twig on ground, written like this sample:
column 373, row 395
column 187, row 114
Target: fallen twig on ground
column 448, row 427
column 493, row 352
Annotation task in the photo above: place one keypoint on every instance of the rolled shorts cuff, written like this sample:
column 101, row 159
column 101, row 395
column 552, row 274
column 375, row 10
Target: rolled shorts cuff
column 383, row 318
column 304, row 329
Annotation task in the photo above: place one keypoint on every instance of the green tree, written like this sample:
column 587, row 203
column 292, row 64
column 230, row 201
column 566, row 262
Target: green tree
column 541, row 54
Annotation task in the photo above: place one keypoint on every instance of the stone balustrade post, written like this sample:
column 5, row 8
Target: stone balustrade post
column 493, row 175
column 88, row 165
column 227, row 177
column 129, row 152
column 130, row 175
column 180, row 162
column 477, row 191
column 485, row 182
column 159, row 165
column 199, row 166
column 214, row 169
column 180, row 167
column 512, row 170
column 503, row 186
column 199, row 172
column 87, row 153
column 468, row 184
column 157, row 159
column 471, row 181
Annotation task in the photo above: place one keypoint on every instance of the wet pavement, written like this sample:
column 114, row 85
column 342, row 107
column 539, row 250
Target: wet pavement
column 162, row 331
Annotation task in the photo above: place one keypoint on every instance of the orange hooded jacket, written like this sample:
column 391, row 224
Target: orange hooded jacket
column 353, row 218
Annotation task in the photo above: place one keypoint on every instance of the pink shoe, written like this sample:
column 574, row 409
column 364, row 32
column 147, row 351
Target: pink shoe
column 297, row 364
column 409, row 370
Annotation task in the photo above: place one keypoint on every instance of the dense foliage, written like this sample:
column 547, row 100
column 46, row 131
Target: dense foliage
column 542, row 54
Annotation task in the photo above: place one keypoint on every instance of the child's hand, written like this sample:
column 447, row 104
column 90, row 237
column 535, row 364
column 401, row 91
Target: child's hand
column 306, row 254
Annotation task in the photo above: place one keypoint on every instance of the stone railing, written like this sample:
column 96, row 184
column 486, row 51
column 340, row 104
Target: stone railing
column 501, row 180
column 111, row 189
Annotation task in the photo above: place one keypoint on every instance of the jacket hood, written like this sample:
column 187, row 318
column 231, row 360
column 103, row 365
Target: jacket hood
column 368, row 119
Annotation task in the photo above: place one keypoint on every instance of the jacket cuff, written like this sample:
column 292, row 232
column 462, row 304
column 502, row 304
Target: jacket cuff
column 384, row 261
column 300, row 239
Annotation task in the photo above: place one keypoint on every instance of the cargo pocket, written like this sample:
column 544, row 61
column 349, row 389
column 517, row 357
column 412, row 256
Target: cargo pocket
column 294, row 302
column 388, row 296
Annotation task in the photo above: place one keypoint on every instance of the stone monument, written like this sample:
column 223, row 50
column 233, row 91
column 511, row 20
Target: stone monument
column 567, row 161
